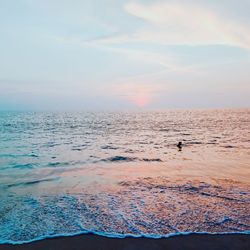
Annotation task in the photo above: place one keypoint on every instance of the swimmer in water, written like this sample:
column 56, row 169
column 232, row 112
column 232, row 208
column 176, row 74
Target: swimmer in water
column 179, row 145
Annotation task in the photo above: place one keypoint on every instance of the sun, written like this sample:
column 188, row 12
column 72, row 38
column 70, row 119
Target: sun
column 139, row 95
column 140, row 99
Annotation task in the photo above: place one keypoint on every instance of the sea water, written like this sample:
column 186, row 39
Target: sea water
column 120, row 173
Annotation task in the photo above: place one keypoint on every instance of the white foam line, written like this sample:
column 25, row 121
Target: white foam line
column 122, row 236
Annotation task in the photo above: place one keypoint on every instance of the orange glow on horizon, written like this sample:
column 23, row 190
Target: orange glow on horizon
column 140, row 95
column 141, row 100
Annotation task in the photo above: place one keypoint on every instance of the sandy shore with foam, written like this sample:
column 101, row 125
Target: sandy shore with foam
column 89, row 242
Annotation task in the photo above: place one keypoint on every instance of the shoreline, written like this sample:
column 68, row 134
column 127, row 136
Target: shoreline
column 92, row 242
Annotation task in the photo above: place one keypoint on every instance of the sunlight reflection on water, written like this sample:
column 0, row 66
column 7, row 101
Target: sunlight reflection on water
column 122, row 173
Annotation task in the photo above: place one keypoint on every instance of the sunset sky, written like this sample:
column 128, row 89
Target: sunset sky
column 119, row 54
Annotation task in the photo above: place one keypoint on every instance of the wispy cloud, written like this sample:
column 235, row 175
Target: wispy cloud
column 124, row 51
column 183, row 24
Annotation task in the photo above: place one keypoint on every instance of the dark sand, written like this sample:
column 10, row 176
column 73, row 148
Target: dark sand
column 194, row 241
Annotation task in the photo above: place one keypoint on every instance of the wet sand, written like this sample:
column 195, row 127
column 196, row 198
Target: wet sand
column 89, row 242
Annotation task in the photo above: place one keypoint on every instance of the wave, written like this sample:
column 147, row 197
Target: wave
column 109, row 147
column 119, row 158
column 18, row 155
column 23, row 166
column 124, row 214
column 121, row 236
column 80, row 147
column 64, row 164
column 30, row 182
column 151, row 160
column 56, row 164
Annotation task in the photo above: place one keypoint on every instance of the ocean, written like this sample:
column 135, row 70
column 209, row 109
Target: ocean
column 121, row 174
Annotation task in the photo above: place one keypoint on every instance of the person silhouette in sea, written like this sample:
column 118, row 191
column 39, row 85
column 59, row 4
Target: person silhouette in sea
column 179, row 145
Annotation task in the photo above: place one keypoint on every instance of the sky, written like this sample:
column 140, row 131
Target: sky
column 124, row 54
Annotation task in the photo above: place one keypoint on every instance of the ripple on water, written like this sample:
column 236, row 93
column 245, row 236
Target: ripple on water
column 44, row 144
column 119, row 158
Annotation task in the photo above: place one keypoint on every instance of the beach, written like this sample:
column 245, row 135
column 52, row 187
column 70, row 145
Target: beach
column 94, row 242
column 124, row 125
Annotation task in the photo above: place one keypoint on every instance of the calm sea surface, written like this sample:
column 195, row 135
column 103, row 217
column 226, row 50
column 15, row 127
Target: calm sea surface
column 119, row 174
